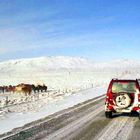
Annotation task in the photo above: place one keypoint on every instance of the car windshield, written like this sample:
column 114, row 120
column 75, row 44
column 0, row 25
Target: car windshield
column 129, row 87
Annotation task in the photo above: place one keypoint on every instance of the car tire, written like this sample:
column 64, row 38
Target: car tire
column 139, row 116
column 108, row 114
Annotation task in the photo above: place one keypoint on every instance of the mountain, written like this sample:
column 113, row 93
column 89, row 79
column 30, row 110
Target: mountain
column 44, row 64
column 119, row 64
column 61, row 63
column 61, row 70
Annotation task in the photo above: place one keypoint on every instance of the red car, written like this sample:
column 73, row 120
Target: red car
column 122, row 96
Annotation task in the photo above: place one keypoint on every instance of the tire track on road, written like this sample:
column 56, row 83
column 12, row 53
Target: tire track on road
column 118, row 129
column 72, row 128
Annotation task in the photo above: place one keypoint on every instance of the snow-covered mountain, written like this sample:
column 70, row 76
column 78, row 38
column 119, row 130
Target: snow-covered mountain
column 43, row 64
column 119, row 64
column 52, row 70
column 55, row 69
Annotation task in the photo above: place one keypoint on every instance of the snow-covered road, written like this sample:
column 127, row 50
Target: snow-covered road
column 85, row 127
column 69, row 130
column 119, row 129
column 77, row 116
column 85, row 121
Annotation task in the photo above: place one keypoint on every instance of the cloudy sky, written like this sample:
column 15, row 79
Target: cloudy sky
column 97, row 29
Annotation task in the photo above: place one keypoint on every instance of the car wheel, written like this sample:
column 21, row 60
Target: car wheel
column 139, row 116
column 108, row 114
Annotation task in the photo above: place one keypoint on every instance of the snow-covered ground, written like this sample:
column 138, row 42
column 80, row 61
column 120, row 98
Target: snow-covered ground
column 20, row 115
column 66, row 78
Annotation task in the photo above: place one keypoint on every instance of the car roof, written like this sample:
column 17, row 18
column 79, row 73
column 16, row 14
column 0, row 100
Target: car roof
column 123, row 80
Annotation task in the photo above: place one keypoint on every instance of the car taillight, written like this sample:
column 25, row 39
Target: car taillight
column 109, row 99
column 139, row 97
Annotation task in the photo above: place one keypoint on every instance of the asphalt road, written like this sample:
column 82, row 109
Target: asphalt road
column 85, row 121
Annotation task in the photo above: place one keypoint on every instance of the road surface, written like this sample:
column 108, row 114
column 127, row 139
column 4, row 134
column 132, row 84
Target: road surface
column 85, row 121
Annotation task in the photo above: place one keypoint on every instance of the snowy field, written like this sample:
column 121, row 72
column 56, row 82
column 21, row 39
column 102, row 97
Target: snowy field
column 26, row 113
column 69, row 80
